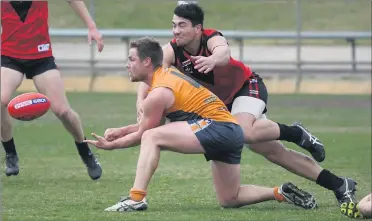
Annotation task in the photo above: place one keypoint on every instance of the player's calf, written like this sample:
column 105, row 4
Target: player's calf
column 72, row 123
column 6, row 125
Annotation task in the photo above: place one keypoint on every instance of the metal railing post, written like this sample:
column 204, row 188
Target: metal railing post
column 92, row 59
column 241, row 49
column 353, row 54
column 298, row 46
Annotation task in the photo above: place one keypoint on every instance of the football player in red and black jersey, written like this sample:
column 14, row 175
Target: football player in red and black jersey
column 26, row 50
column 204, row 55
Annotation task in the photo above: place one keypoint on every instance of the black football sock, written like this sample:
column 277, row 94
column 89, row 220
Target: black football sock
column 328, row 180
column 9, row 146
column 83, row 149
column 290, row 133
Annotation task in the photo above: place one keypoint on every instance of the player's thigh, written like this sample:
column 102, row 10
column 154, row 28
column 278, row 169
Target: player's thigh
column 251, row 98
column 175, row 136
column 249, row 104
column 10, row 81
column 226, row 180
column 51, row 84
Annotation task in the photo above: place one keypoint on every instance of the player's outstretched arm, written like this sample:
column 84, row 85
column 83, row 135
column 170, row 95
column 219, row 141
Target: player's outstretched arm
column 220, row 55
column 220, row 50
column 154, row 107
column 81, row 9
column 112, row 134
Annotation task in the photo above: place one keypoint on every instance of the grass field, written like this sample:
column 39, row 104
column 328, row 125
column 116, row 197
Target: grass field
column 256, row 15
column 53, row 184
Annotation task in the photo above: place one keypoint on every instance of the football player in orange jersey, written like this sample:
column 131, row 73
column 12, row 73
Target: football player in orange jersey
column 204, row 55
column 199, row 124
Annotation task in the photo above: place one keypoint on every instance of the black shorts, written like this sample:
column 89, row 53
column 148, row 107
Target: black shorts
column 222, row 141
column 253, row 87
column 29, row 67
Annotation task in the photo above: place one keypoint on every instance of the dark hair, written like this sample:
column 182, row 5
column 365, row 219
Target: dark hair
column 149, row 47
column 190, row 11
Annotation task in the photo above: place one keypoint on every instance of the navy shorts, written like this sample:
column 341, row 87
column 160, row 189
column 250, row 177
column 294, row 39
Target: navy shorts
column 222, row 141
column 29, row 67
column 253, row 87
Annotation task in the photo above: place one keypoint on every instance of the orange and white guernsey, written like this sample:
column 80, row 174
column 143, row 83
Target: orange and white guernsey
column 192, row 100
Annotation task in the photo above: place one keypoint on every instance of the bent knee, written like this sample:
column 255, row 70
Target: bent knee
column 61, row 111
column 250, row 136
column 366, row 209
column 149, row 136
column 5, row 99
column 230, row 202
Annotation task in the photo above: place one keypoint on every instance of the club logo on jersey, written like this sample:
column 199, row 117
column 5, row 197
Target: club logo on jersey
column 254, row 80
column 187, row 66
column 43, row 47
column 210, row 99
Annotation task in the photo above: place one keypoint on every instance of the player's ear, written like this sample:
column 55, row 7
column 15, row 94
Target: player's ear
column 199, row 28
column 147, row 61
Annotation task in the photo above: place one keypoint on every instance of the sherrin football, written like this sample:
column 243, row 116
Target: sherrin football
column 28, row 106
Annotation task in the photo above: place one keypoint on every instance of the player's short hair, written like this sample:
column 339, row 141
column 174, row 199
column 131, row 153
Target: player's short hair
column 190, row 11
column 148, row 47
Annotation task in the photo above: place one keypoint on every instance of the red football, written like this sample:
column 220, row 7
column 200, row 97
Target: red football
column 28, row 106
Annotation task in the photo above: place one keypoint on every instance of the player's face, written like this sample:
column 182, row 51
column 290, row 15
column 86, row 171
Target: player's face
column 183, row 31
column 135, row 66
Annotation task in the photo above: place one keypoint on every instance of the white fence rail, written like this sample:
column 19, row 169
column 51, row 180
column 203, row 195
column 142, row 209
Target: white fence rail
column 353, row 66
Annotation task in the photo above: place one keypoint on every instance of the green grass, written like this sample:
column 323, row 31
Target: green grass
column 53, row 184
column 243, row 15
column 280, row 15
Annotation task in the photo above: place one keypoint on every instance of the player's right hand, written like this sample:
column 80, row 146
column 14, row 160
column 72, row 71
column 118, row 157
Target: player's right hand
column 94, row 34
column 101, row 142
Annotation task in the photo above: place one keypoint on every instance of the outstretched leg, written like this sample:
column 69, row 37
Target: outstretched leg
column 50, row 83
column 231, row 194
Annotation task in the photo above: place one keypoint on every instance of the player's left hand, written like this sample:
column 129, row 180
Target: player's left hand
column 94, row 34
column 203, row 64
column 100, row 142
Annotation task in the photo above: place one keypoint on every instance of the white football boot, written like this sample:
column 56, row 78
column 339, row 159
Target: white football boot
column 128, row 205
